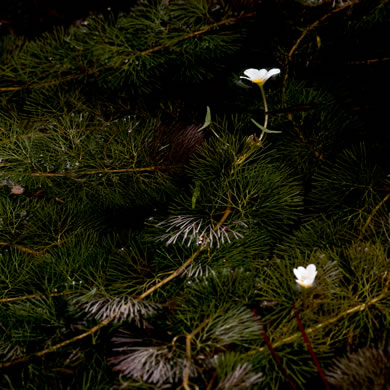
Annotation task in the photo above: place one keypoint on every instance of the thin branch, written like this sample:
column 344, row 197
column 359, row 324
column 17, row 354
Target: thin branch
column 212, row 380
column 22, row 248
column 110, row 319
column 36, row 135
column 142, row 53
column 273, row 352
column 310, row 349
column 300, row 39
column 7, row 300
column 369, row 61
column 182, row 268
column 328, row 322
column 47, row 84
column 175, row 274
column 196, row 33
column 107, row 171
column 33, row 296
column 227, row 212
column 189, row 337
column 109, row 141
column 60, row 345
column 286, row 70
column 303, row 139
column 378, row 206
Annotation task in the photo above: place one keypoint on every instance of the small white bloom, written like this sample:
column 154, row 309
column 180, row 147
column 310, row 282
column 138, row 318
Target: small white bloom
column 305, row 276
column 259, row 76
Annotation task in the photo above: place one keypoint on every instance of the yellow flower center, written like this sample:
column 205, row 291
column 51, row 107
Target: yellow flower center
column 259, row 81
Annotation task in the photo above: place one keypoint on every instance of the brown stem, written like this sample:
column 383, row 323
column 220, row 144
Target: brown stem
column 22, row 248
column 286, row 70
column 303, row 139
column 181, row 269
column 175, row 274
column 196, row 33
column 378, row 206
column 106, row 171
column 33, row 296
column 300, row 39
column 108, row 320
column 310, row 349
column 212, row 380
column 189, row 337
column 273, row 352
column 29, row 135
column 142, row 53
column 369, row 61
column 328, row 322
column 60, row 345
column 47, row 84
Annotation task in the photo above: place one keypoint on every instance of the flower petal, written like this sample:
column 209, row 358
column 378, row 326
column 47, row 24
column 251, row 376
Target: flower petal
column 297, row 272
column 311, row 269
column 302, row 270
column 273, row 72
column 253, row 74
column 262, row 74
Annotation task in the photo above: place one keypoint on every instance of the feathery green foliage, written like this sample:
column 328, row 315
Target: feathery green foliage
column 143, row 246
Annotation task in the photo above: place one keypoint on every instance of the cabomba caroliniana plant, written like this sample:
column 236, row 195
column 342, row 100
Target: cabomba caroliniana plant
column 143, row 247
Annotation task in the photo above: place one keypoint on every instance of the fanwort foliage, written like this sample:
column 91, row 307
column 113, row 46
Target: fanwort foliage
column 144, row 245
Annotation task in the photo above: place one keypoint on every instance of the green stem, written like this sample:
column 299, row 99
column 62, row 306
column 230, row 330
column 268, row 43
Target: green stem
column 265, row 111
column 265, row 106
column 242, row 158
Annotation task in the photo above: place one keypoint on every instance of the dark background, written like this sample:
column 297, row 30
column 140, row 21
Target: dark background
column 32, row 17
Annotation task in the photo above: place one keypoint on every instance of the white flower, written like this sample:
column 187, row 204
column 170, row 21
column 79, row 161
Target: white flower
column 259, row 76
column 305, row 276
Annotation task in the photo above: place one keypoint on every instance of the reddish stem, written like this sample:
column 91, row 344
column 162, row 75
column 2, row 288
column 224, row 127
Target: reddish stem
column 273, row 352
column 310, row 349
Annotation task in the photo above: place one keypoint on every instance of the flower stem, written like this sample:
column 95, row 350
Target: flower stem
column 257, row 142
column 265, row 111
column 265, row 106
